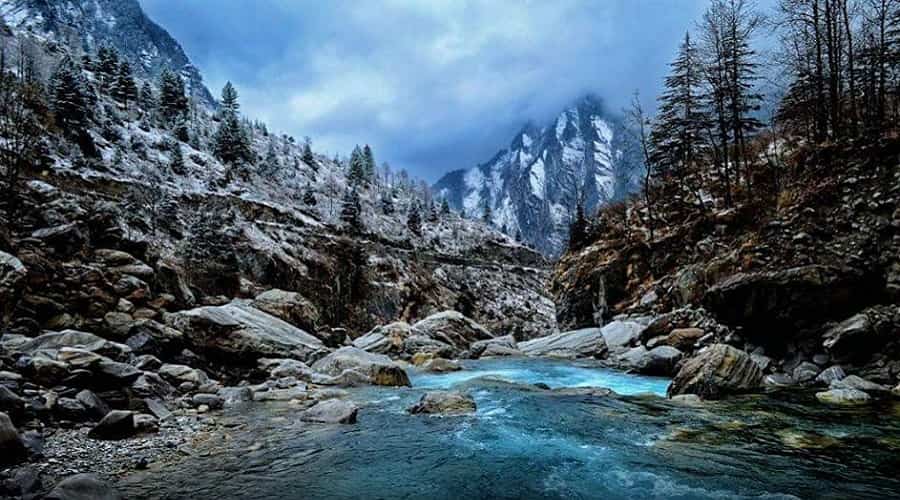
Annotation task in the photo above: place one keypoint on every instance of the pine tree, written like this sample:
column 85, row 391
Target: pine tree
column 231, row 142
column 107, row 67
column 445, row 207
column 351, row 212
column 173, row 103
column 368, row 164
column 271, row 162
column 414, row 220
column 519, row 235
column 67, row 97
column 387, row 203
column 146, row 97
column 578, row 228
column 125, row 90
column 357, row 173
column 433, row 217
column 308, row 157
column 487, row 215
column 309, row 197
column 177, row 161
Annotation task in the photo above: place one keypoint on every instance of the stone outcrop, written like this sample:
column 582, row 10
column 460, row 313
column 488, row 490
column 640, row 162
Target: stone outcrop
column 452, row 328
column 444, row 403
column 385, row 339
column 289, row 306
column 240, row 333
column 331, row 411
column 716, row 372
column 584, row 343
column 376, row 368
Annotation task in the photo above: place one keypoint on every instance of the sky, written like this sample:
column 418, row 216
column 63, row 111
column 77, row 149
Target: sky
column 431, row 85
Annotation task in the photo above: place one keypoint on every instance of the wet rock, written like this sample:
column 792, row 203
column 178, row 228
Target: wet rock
column 659, row 361
column 331, row 411
column 687, row 399
column 843, row 396
column 147, row 336
column 289, row 306
column 147, row 362
column 386, row 339
column 83, row 487
column 158, row 409
column 379, row 369
column 424, row 344
column 12, row 280
column 22, row 482
column 144, row 423
column 288, row 394
column 498, row 351
column 779, row 380
column 441, row 365
column 115, row 374
column 805, row 372
column 584, row 343
column 151, row 385
column 863, row 334
column 762, row 361
column 71, row 409
column 46, row 372
column 11, row 403
column 54, row 341
column 234, row 395
column 117, row 424
column 501, row 345
column 78, row 358
column 715, row 372
column 12, row 449
column 831, row 374
column 280, row 368
column 858, row 383
column 444, row 403
column 452, row 328
column 241, row 333
column 683, row 338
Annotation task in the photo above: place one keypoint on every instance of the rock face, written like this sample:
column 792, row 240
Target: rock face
column 584, row 343
column 452, row 328
column 83, row 487
column 777, row 302
column 716, row 372
column 864, row 333
column 289, row 306
column 444, row 403
column 240, row 333
column 331, row 411
column 376, row 368
column 532, row 186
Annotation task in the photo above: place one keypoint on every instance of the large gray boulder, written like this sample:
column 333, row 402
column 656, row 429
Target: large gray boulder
column 660, row 361
column 584, row 343
column 117, row 424
column 451, row 327
column 12, row 280
column 717, row 371
column 12, row 449
column 444, row 403
column 289, row 306
column 240, row 333
column 843, row 397
column 621, row 335
column 83, row 487
column 385, row 339
column 52, row 342
column 864, row 333
column 497, row 346
column 331, row 411
column 858, row 383
column 379, row 369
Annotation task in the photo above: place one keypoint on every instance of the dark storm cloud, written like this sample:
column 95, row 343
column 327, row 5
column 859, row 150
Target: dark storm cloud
column 432, row 85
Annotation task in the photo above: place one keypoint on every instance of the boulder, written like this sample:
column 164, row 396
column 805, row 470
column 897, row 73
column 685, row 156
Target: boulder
column 831, row 374
column 379, row 369
column 444, row 403
column 858, row 383
column 94, row 406
column 621, row 335
column 683, row 338
column 779, row 380
column 237, row 332
column 498, row 351
column 54, row 341
column 584, row 343
column 115, row 374
column 441, row 365
column 212, row 401
column 659, row 361
column 385, row 339
column 805, row 372
column 46, row 372
column 715, row 372
column 289, row 306
column 147, row 336
column 178, row 374
column 151, row 385
column 452, row 328
column 12, row 281
column 280, row 368
column 71, row 409
column 117, row 424
column 331, row 411
column 83, row 487
column 287, row 394
column 863, row 334
column 12, row 449
column 423, row 344
column 11, row 403
column 843, row 397
column 507, row 343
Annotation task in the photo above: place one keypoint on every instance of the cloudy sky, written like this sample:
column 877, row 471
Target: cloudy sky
column 432, row 85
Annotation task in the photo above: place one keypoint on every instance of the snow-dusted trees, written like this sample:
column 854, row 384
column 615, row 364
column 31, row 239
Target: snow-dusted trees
column 125, row 90
column 445, row 207
column 387, row 202
column 309, row 197
column 173, row 103
column 176, row 163
column 357, row 169
column 24, row 118
column 368, row 164
column 308, row 157
column 107, row 68
column 67, row 97
column 578, row 229
column 351, row 212
column 232, row 145
column 414, row 220
column 487, row 214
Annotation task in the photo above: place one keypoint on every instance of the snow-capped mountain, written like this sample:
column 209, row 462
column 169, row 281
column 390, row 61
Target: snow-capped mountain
column 122, row 24
column 532, row 187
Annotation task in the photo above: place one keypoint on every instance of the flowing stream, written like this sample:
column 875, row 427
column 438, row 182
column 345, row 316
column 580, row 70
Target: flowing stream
column 527, row 442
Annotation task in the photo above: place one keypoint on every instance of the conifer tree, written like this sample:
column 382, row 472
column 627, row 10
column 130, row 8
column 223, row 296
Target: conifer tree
column 146, row 97
column 308, row 157
column 107, row 67
column 67, row 98
column 445, row 207
column 309, row 197
column 387, row 203
column 433, row 217
column 177, row 161
column 351, row 212
column 231, row 142
column 578, row 229
column 487, row 215
column 368, row 164
column 357, row 173
column 173, row 103
column 229, row 101
column 125, row 90
column 414, row 220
